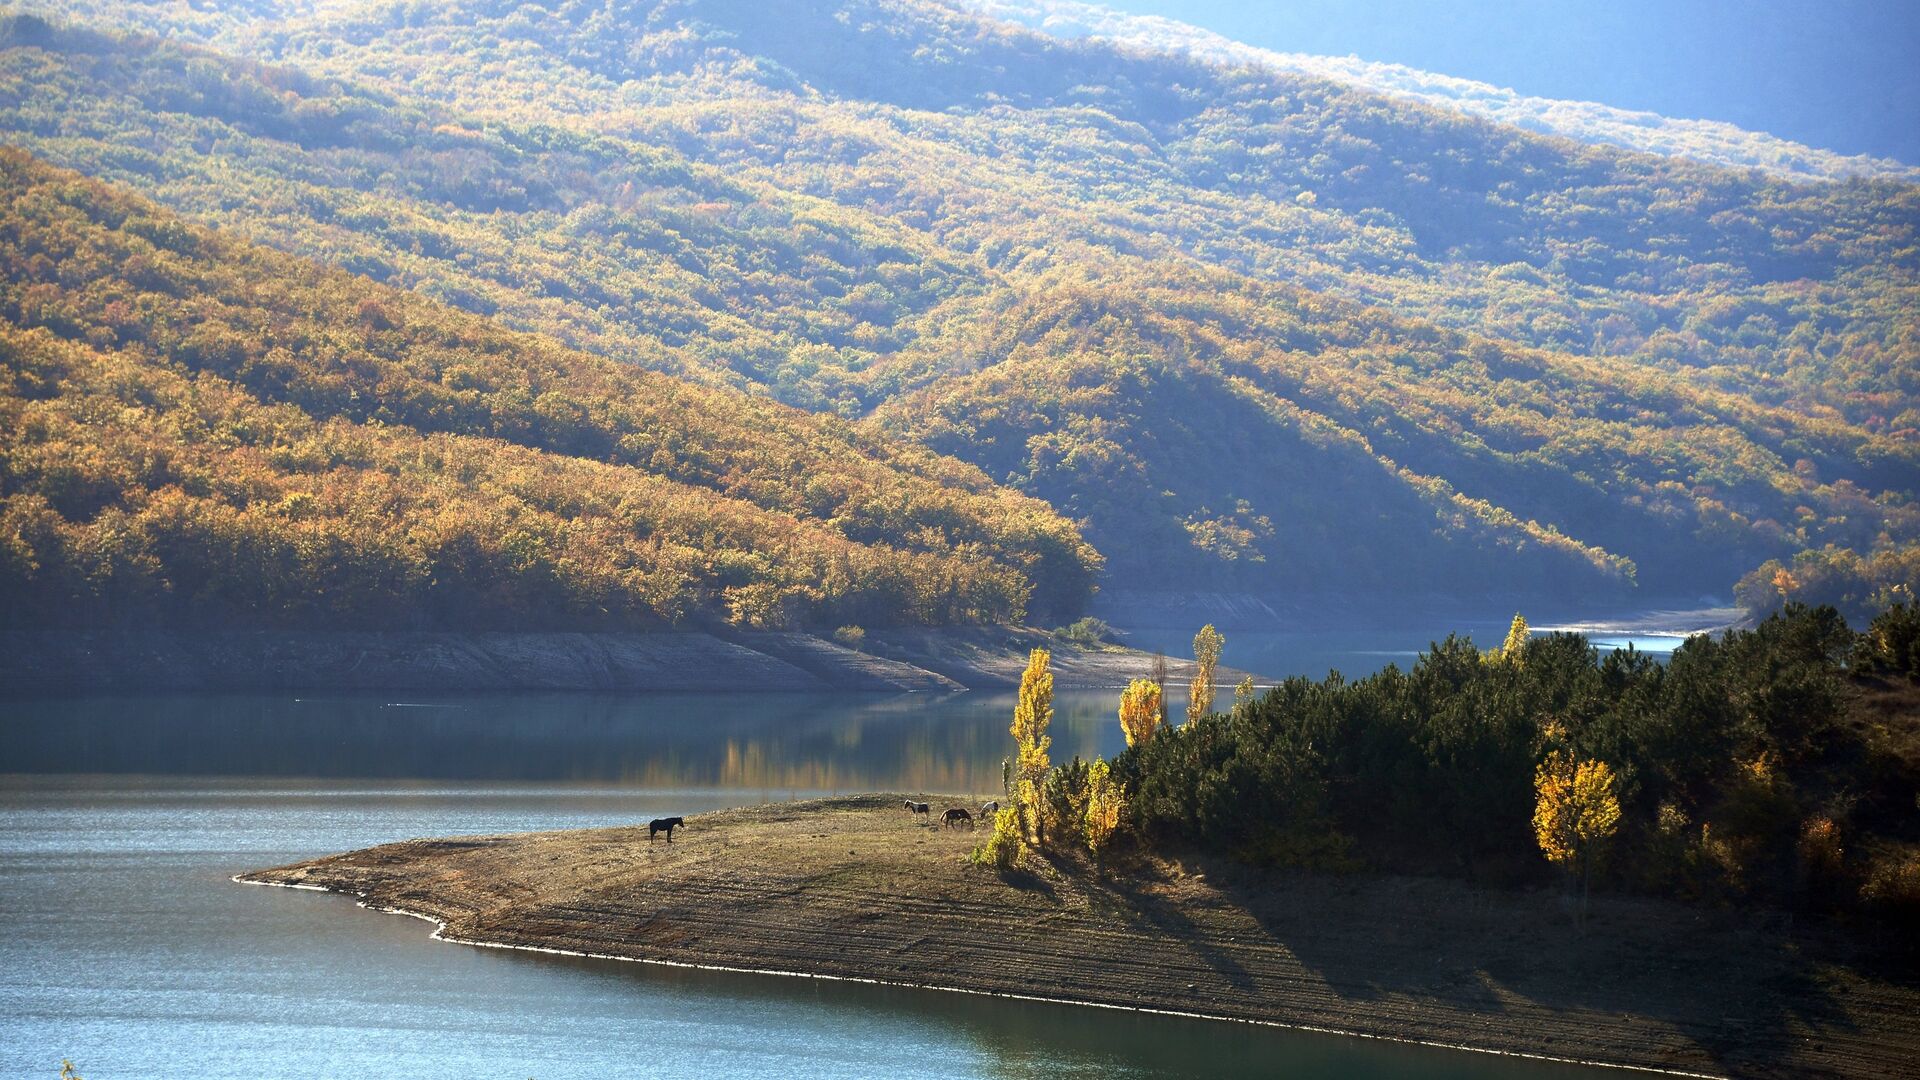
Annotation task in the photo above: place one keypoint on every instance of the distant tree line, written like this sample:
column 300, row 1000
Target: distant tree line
column 1857, row 583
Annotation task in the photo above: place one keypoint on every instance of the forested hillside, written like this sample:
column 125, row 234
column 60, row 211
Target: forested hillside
column 1714, row 142
column 1253, row 330
column 204, row 430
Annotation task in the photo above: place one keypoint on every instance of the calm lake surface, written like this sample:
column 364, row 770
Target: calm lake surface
column 127, row 949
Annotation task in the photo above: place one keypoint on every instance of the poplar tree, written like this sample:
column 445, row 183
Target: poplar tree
column 1031, row 715
column 1158, row 676
column 1105, row 804
column 1141, row 710
column 1206, row 654
column 1243, row 693
column 1518, row 633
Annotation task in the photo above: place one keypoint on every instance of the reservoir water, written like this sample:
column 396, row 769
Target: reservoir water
column 127, row 949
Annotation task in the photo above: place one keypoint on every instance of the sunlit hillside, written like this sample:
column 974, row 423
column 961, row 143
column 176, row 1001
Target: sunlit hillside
column 1254, row 329
column 209, row 432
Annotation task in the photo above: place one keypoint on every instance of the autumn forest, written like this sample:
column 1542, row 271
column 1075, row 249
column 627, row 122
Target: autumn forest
column 996, row 332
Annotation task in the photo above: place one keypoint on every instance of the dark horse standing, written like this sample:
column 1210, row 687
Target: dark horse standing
column 663, row 825
column 956, row 815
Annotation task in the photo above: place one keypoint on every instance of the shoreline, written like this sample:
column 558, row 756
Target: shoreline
column 440, row 934
column 55, row 662
column 910, row 660
column 781, row 889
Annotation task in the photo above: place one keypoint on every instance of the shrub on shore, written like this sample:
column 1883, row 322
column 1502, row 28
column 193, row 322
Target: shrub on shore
column 1001, row 851
column 1088, row 633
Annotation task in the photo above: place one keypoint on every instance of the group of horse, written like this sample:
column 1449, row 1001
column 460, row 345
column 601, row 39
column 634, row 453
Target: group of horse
column 954, row 815
column 952, row 818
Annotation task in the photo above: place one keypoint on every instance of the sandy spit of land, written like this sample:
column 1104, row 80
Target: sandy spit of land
column 859, row 888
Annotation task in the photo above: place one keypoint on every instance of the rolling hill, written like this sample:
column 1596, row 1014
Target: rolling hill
column 204, row 431
column 1253, row 329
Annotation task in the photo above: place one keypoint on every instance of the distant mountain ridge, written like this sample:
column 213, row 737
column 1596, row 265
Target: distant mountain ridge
column 1710, row 142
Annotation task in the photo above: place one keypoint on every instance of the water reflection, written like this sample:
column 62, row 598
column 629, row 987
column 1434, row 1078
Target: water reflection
column 766, row 743
column 747, row 742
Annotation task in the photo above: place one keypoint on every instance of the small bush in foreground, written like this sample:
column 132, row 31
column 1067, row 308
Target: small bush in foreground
column 1002, row 849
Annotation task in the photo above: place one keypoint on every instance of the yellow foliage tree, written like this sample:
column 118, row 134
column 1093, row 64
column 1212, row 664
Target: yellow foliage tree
column 1002, row 848
column 1105, row 804
column 1031, row 715
column 1243, row 693
column 1511, row 649
column 1141, row 710
column 1206, row 654
column 1575, row 814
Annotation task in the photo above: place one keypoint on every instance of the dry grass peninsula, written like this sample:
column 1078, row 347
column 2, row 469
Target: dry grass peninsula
column 858, row 888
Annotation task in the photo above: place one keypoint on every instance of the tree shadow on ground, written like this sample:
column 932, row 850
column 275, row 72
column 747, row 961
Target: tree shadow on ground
column 1027, row 881
column 1145, row 908
column 1745, row 990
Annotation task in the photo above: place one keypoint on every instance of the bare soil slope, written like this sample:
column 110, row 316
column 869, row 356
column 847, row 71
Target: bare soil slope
column 859, row 888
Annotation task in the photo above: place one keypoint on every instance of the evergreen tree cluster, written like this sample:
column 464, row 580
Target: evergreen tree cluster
column 1778, row 765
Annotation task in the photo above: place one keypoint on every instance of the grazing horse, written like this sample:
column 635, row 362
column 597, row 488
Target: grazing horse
column 916, row 807
column 956, row 815
column 990, row 809
column 663, row 825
